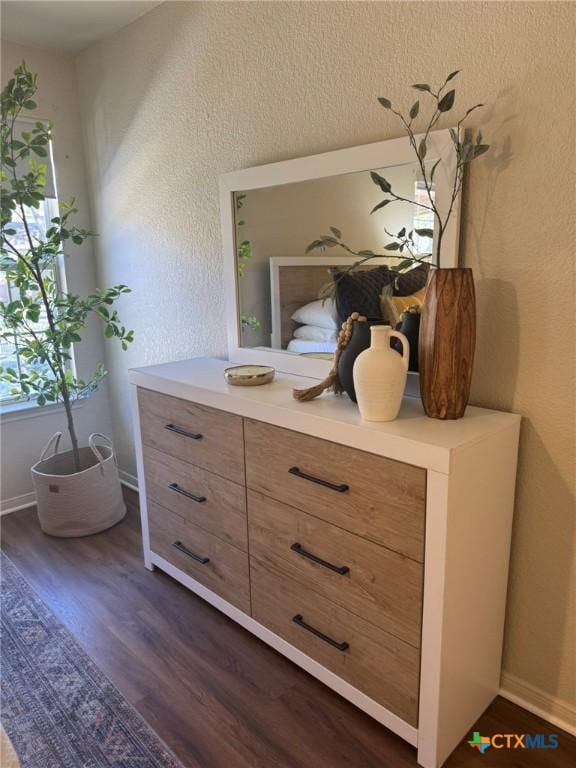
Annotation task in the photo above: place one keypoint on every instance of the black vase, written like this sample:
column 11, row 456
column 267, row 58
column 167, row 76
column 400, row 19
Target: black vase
column 359, row 341
column 410, row 327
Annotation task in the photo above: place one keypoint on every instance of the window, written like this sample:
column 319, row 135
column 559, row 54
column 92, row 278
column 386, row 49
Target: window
column 39, row 221
column 423, row 218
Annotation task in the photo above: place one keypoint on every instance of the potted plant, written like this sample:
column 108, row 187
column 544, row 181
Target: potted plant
column 78, row 492
column 448, row 322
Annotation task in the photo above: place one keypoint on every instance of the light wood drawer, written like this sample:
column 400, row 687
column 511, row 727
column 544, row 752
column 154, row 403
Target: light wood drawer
column 374, row 497
column 224, row 568
column 202, row 436
column 380, row 665
column 212, row 502
column 381, row 586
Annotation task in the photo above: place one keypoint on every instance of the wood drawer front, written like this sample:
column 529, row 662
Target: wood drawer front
column 220, row 447
column 380, row 585
column 383, row 667
column 385, row 500
column 226, row 573
column 215, row 504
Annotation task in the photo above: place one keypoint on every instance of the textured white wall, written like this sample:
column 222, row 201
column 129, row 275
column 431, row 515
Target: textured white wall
column 22, row 440
column 192, row 90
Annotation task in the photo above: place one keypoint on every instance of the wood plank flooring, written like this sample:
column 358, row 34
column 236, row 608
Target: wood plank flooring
column 219, row 697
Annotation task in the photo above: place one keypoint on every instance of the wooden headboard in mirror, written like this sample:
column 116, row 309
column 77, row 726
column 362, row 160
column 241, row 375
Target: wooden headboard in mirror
column 272, row 213
column 299, row 280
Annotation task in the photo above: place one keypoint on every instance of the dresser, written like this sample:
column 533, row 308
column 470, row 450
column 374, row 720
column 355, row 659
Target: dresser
column 373, row 555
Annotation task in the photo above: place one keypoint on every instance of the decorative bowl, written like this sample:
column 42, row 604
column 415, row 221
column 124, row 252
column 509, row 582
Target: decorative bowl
column 249, row 375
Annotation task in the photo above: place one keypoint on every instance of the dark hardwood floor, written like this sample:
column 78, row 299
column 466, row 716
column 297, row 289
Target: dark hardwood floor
column 219, row 697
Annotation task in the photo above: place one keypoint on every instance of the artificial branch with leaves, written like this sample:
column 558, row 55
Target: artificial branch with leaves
column 466, row 149
column 31, row 270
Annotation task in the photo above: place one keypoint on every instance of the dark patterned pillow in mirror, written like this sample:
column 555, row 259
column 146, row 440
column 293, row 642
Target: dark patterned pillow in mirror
column 411, row 281
column 360, row 290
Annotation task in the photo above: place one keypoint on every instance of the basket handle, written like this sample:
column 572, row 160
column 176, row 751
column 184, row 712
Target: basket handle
column 55, row 439
column 94, row 447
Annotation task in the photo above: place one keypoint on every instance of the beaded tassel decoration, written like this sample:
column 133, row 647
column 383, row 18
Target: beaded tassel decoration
column 332, row 381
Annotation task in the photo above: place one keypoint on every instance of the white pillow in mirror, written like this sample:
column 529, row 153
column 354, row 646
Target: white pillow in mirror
column 321, row 313
column 314, row 333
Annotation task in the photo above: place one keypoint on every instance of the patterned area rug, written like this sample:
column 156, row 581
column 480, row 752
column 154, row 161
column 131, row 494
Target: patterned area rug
column 58, row 709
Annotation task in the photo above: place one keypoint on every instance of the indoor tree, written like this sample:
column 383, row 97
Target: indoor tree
column 44, row 320
column 243, row 256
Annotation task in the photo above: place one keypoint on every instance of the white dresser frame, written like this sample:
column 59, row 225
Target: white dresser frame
column 471, row 471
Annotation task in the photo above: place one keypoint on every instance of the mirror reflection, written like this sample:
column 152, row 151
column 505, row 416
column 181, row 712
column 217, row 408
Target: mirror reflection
column 304, row 256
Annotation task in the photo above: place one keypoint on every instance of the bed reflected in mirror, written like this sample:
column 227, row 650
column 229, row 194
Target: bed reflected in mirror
column 300, row 249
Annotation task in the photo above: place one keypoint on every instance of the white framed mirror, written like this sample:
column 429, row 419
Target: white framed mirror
column 276, row 287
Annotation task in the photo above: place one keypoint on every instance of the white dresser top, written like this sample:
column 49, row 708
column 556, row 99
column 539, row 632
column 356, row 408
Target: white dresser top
column 412, row 438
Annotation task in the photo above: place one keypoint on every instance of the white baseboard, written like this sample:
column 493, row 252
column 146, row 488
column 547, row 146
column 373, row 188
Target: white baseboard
column 128, row 480
column 556, row 711
column 7, row 506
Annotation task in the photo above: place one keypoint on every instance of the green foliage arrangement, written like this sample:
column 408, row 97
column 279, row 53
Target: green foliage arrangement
column 243, row 255
column 32, row 270
column 244, row 247
column 466, row 149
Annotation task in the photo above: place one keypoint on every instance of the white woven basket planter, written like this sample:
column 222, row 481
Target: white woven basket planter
column 81, row 503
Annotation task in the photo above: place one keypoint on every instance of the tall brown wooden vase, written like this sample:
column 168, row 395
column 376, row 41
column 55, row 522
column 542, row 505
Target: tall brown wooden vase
column 447, row 342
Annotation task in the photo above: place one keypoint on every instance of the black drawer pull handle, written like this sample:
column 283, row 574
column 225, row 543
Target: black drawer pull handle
column 299, row 549
column 183, row 432
column 341, row 488
column 175, row 487
column 181, row 548
column 301, row 623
